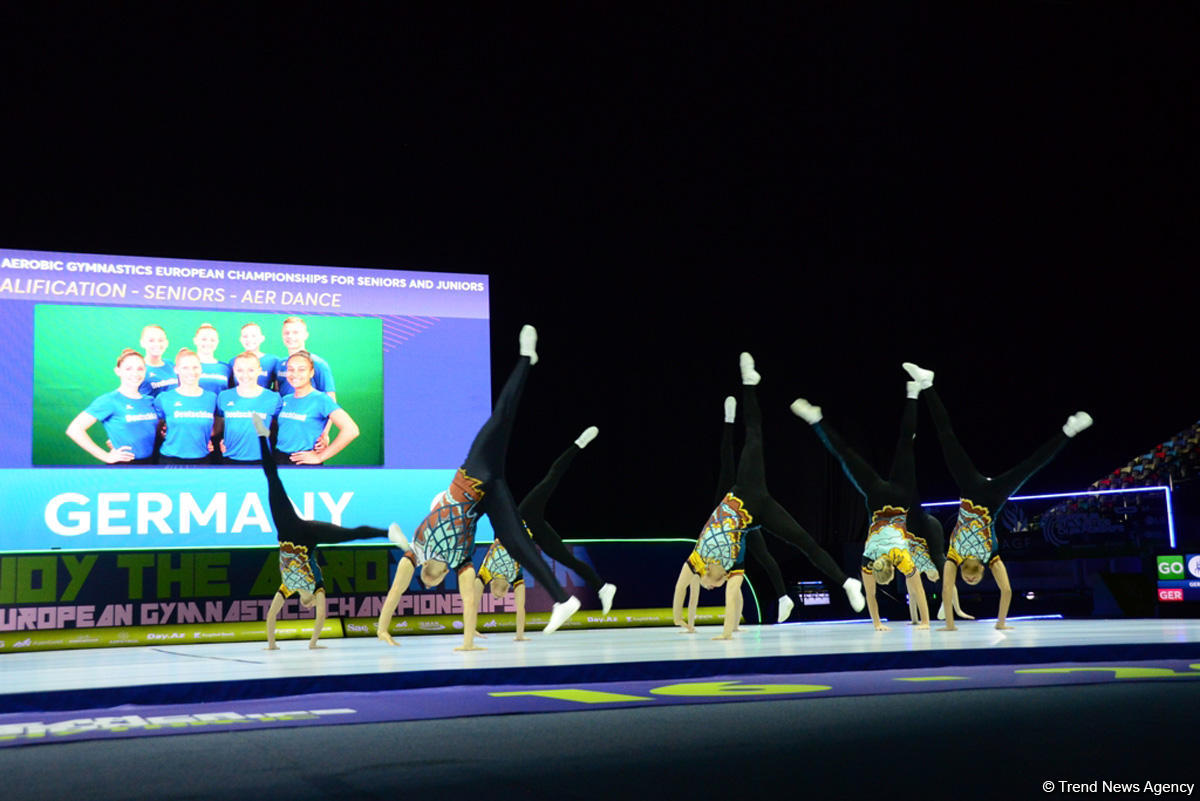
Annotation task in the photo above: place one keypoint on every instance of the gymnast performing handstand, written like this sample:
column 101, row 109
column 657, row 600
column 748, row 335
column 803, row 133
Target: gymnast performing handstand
column 925, row 529
column 298, row 541
column 689, row 578
column 445, row 539
column 890, row 544
column 973, row 542
column 533, row 511
column 718, row 558
column 499, row 571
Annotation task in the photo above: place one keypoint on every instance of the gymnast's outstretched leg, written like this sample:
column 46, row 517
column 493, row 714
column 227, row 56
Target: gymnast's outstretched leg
column 1010, row 481
column 489, row 450
column 973, row 544
column 289, row 525
column 756, row 543
column 298, row 540
column 888, row 543
column 751, row 486
column 445, row 539
column 532, row 510
column 486, row 461
column 899, row 489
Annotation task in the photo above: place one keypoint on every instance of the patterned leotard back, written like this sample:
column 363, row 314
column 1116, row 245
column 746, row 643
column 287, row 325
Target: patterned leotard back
column 721, row 539
column 974, row 534
column 448, row 532
column 888, row 536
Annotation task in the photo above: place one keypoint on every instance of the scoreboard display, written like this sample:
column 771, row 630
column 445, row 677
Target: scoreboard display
column 1178, row 577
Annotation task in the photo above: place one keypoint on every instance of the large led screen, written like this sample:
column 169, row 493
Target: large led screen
column 404, row 354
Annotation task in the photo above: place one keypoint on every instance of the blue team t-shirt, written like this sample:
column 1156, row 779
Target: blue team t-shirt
column 322, row 376
column 214, row 377
column 159, row 379
column 127, row 421
column 189, row 423
column 301, row 420
column 241, row 440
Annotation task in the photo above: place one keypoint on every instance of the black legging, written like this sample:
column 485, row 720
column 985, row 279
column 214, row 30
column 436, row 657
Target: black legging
column 751, row 487
column 485, row 463
column 533, row 511
column 991, row 493
column 899, row 489
column 290, row 527
column 756, row 543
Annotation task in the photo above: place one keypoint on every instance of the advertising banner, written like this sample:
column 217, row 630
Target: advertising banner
column 111, row 597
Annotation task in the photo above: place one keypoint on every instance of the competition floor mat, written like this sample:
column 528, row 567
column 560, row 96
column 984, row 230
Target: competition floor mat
column 62, row 696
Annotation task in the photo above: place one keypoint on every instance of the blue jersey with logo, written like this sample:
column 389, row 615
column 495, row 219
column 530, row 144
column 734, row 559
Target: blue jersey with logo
column 159, row 379
column 241, row 440
column 214, row 377
column 301, row 420
column 130, row 422
column 189, row 423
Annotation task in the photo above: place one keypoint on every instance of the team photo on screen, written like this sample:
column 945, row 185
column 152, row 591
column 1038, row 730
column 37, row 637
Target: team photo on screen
column 133, row 383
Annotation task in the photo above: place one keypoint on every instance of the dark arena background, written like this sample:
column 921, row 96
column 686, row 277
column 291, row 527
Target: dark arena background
column 1002, row 193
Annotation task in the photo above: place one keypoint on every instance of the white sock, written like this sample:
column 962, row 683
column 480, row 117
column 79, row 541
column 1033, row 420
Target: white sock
column 560, row 612
column 806, row 411
column 730, row 409
column 854, row 593
column 785, row 607
column 919, row 374
column 912, row 389
column 750, row 376
column 1076, row 423
column 527, row 340
column 397, row 537
column 587, row 436
column 606, row 594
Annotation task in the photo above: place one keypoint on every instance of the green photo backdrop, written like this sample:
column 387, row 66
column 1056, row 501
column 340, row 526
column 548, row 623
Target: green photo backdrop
column 75, row 349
